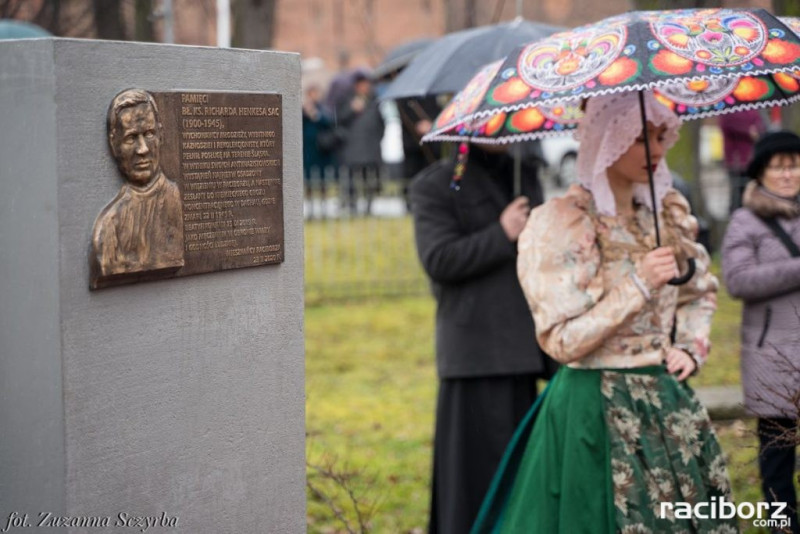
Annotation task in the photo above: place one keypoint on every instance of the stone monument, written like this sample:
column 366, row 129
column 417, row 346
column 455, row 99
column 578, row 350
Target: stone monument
column 151, row 280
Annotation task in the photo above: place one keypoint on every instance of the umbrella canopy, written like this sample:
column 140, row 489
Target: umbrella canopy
column 701, row 62
column 507, row 108
column 400, row 56
column 456, row 122
column 688, row 100
column 17, row 29
column 709, row 60
column 449, row 62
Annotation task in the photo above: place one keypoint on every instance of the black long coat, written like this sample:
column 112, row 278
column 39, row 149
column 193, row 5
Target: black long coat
column 483, row 324
column 362, row 144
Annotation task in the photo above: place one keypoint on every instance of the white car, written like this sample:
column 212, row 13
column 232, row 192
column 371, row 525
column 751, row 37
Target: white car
column 560, row 154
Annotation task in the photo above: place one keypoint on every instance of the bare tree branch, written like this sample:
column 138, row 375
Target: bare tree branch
column 344, row 481
column 319, row 494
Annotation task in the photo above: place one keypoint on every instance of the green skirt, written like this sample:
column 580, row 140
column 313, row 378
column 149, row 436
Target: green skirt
column 599, row 452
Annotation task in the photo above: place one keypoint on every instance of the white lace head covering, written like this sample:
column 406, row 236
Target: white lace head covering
column 609, row 127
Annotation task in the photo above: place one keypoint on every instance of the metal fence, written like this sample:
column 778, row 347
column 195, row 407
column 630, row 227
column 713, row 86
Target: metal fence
column 359, row 240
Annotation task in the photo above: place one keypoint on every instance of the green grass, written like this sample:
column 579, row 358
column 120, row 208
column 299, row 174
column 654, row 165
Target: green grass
column 371, row 386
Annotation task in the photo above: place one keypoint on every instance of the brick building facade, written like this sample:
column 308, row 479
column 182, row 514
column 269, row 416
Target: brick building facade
column 353, row 33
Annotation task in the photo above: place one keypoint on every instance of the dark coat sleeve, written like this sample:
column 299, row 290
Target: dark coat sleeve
column 345, row 115
column 450, row 254
column 744, row 276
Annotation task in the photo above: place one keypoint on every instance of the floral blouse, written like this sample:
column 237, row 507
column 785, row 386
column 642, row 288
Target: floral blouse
column 576, row 268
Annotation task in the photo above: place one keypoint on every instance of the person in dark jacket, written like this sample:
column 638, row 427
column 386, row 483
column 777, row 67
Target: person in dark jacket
column 416, row 116
column 486, row 353
column 762, row 270
column 359, row 115
column 319, row 144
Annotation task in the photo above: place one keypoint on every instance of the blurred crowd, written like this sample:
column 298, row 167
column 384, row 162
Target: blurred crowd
column 344, row 125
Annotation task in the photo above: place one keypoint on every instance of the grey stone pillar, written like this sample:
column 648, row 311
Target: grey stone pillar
column 180, row 398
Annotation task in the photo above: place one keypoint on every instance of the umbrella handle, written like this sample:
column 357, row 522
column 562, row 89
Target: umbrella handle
column 680, row 280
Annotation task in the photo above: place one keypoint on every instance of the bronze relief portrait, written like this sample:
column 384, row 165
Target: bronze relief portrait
column 139, row 234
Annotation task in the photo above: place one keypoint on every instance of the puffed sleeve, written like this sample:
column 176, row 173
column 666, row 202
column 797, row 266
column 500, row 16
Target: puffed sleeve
column 697, row 299
column 559, row 270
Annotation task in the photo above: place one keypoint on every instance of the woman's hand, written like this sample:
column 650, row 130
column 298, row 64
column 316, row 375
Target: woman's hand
column 658, row 267
column 681, row 362
column 515, row 216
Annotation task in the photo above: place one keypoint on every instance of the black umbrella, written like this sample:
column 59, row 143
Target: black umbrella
column 400, row 56
column 449, row 62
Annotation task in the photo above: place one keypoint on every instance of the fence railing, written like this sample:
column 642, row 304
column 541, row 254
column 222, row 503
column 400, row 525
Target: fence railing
column 359, row 238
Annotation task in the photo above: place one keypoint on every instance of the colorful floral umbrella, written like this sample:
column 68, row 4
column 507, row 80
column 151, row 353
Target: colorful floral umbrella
column 689, row 100
column 701, row 62
column 455, row 122
column 646, row 50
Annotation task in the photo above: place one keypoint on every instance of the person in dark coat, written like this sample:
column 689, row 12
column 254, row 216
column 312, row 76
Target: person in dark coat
column 486, row 353
column 319, row 143
column 359, row 115
column 416, row 116
column 761, row 270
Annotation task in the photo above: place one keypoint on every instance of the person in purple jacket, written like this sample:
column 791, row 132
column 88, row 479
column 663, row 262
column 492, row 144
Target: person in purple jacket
column 761, row 266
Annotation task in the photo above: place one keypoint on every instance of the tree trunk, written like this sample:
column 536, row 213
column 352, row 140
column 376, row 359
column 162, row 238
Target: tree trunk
column 10, row 9
column 470, row 15
column 108, row 20
column 46, row 15
column 460, row 15
column 452, row 20
column 143, row 30
column 254, row 23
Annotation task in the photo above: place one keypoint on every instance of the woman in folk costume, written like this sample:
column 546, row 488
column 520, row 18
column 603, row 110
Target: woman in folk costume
column 618, row 431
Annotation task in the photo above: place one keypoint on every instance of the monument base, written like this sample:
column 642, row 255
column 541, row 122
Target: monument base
column 175, row 405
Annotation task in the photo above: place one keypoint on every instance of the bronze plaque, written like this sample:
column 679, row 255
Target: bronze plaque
column 203, row 186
